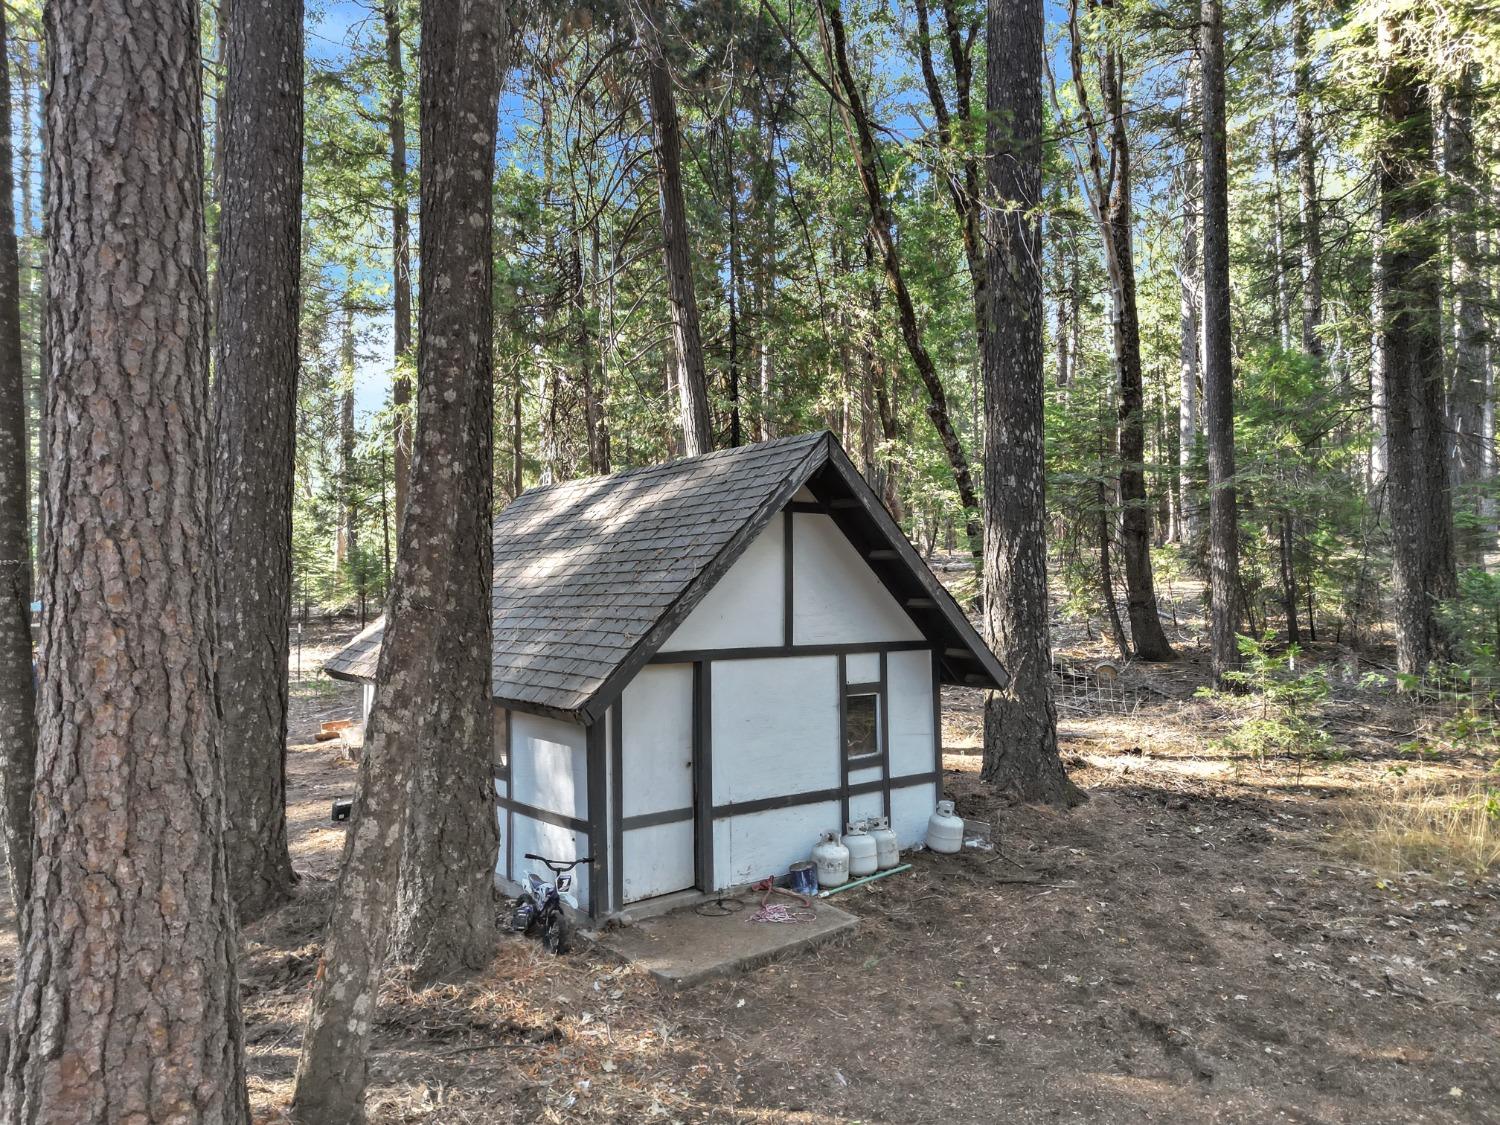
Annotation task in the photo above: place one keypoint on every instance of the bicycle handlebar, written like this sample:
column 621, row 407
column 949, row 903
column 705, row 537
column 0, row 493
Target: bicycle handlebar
column 559, row 864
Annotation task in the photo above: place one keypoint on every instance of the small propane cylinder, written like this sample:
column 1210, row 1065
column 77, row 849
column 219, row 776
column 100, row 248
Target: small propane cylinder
column 862, row 851
column 887, row 845
column 945, row 832
column 831, row 859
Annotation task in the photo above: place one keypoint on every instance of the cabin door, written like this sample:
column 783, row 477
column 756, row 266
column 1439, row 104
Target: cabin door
column 658, row 824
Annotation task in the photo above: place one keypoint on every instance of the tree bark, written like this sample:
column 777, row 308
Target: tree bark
column 1146, row 632
column 1309, row 204
column 445, row 916
column 1020, row 722
column 255, row 408
column 677, row 258
column 433, row 700
column 126, row 1006
column 882, row 229
column 1420, row 493
column 400, row 257
column 1190, row 300
column 1218, row 373
column 17, row 687
column 1467, row 394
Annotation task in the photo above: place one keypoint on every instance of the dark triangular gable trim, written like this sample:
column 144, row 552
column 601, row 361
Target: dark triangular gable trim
column 859, row 513
column 861, row 516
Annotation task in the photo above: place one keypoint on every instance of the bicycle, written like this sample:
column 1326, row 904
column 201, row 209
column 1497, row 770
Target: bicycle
column 539, row 907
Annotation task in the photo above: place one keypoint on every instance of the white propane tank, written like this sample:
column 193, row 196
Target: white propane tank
column 862, row 851
column 831, row 859
column 945, row 832
column 887, row 844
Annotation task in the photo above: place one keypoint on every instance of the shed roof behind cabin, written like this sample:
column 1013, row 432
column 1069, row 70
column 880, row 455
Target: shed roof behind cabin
column 592, row 576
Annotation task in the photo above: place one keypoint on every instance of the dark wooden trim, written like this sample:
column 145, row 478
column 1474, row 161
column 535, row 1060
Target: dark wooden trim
column 703, row 776
column 817, row 455
column 546, row 816
column 788, row 621
column 868, row 526
column 885, row 734
column 881, row 554
column 617, row 802
column 843, row 743
column 598, row 822
column 770, row 652
column 870, row 687
column 819, row 796
column 937, row 713
column 807, row 507
column 652, row 819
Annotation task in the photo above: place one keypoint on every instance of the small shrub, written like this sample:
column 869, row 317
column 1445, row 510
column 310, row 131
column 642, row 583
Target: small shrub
column 1286, row 700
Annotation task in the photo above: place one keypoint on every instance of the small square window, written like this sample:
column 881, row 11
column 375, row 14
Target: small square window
column 861, row 725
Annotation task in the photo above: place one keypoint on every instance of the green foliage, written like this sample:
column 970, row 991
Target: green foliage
column 1283, row 703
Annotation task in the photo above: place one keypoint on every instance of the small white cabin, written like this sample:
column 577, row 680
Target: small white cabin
column 700, row 667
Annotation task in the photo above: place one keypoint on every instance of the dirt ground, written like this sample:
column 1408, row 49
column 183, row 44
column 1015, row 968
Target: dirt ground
column 1195, row 943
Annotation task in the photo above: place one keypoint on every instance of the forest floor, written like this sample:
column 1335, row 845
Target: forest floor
column 1209, row 937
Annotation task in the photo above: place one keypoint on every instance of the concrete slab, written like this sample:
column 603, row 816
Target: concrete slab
column 685, row 948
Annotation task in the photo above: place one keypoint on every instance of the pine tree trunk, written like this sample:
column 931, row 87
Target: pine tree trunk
column 1218, row 374
column 1309, row 204
column 400, row 255
column 445, row 916
column 1190, row 321
column 1146, row 632
column 126, row 1006
column 677, row 257
column 431, row 726
column 1461, row 178
column 1020, row 722
column 1420, row 493
column 17, row 691
column 255, row 405
column 882, row 227
column 1379, row 419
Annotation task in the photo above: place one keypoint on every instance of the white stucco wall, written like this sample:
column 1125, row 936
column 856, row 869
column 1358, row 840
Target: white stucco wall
column 748, row 848
column 744, row 608
column 657, row 742
column 775, row 727
column 549, row 765
column 836, row 598
column 909, row 687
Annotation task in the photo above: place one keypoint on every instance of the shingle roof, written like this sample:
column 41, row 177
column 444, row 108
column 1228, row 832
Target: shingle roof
column 592, row 575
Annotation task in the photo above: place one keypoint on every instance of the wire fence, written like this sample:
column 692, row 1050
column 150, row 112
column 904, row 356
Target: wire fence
column 1086, row 690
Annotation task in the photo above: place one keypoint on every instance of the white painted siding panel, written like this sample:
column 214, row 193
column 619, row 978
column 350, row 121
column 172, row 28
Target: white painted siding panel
column 744, row 608
column 869, row 773
column 910, row 692
column 862, row 667
column 549, row 764
column 658, row 740
column 554, row 843
column 658, row 860
column 775, row 727
column 910, row 808
column 748, row 848
column 836, row 598
column 862, row 806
